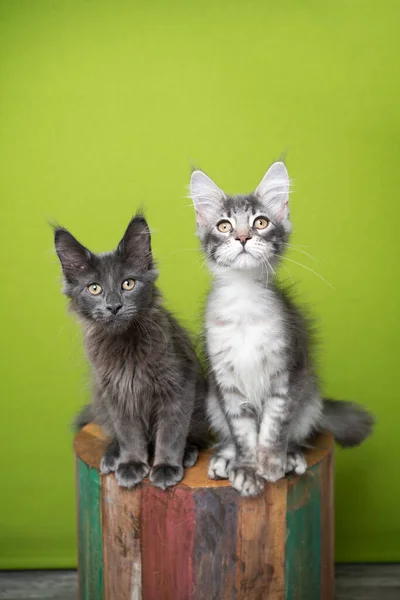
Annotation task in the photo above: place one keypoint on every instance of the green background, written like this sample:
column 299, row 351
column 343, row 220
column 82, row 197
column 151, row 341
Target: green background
column 103, row 106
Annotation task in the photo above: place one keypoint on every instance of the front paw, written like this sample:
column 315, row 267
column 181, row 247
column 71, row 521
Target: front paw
column 131, row 473
column 163, row 476
column 110, row 460
column 218, row 467
column 296, row 462
column 271, row 466
column 245, row 480
column 190, row 456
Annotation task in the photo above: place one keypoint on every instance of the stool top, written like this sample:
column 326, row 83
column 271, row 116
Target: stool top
column 90, row 444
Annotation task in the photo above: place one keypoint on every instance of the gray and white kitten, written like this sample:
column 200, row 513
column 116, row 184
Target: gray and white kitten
column 149, row 391
column 264, row 403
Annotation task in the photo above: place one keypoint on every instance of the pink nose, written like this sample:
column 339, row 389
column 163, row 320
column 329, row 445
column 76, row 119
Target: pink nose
column 243, row 239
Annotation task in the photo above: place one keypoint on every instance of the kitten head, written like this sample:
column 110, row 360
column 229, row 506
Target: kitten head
column 245, row 231
column 109, row 289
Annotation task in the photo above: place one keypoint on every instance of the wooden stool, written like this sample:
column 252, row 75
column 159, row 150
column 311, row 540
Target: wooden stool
column 200, row 540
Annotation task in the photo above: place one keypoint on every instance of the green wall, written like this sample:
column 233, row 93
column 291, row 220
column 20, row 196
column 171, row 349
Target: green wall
column 103, row 106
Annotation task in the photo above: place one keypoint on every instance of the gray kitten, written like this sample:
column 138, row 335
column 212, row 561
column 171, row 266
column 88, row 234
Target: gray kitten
column 264, row 402
column 149, row 390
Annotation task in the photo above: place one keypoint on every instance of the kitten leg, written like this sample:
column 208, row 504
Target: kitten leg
column 230, row 416
column 198, row 437
column 110, row 460
column 242, row 471
column 273, row 438
column 225, row 451
column 190, row 456
column 172, row 432
column 133, row 462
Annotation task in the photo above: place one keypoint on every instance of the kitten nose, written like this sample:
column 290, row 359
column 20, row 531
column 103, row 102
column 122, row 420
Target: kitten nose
column 243, row 239
column 114, row 308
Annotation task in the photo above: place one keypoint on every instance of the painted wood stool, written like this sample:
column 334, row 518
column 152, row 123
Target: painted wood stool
column 200, row 540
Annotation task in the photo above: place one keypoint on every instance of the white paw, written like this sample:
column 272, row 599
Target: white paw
column 271, row 466
column 296, row 463
column 218, row 468
column 246, row 481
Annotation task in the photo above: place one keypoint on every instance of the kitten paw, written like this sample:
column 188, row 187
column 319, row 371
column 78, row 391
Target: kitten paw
column 270, row 466
column 296, row 463
column 110, row 460
column 190, row 456
column 246, row 481
column 218, row 468
column 163, row 476
column 131, row 473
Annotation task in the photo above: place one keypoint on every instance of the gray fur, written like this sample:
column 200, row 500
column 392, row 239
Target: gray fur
column 148, row 386
column 84, row 417
column 264, row 401
column 347, row 421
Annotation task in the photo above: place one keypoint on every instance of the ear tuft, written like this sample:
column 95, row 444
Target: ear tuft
column 273, row 191
column 74, row 257
column 135, row 246
column 207, row 197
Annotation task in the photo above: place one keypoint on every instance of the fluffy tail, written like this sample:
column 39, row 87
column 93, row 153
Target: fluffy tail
column 349, row 423
column 84, row 417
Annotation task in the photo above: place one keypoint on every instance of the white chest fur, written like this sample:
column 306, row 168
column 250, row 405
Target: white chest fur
column 245, row 335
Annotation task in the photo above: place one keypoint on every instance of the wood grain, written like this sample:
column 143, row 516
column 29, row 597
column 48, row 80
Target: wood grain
column 89, row 533
column 167, row 533
column 303, row 537
column 215, row 543
column 327, row 529
column 121, row 541
column 261, row 545
column 90, row 444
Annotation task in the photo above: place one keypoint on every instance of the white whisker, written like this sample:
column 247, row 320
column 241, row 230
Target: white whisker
column 302, row 252
column 288, row 272
column 308, row 269
column 270, row 266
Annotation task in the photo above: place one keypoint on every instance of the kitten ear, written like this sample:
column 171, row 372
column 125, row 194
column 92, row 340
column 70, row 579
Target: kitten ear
column 206, row 196
column 74, row 257
column 273, row 191
column 135, row 246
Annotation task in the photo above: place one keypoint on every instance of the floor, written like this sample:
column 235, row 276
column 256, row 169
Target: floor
column 353, row 582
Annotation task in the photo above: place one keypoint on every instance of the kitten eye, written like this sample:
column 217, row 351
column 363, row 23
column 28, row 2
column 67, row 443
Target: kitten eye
column 224, row 226
column 95, row 289
column 261, row 223
column 128, row 284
